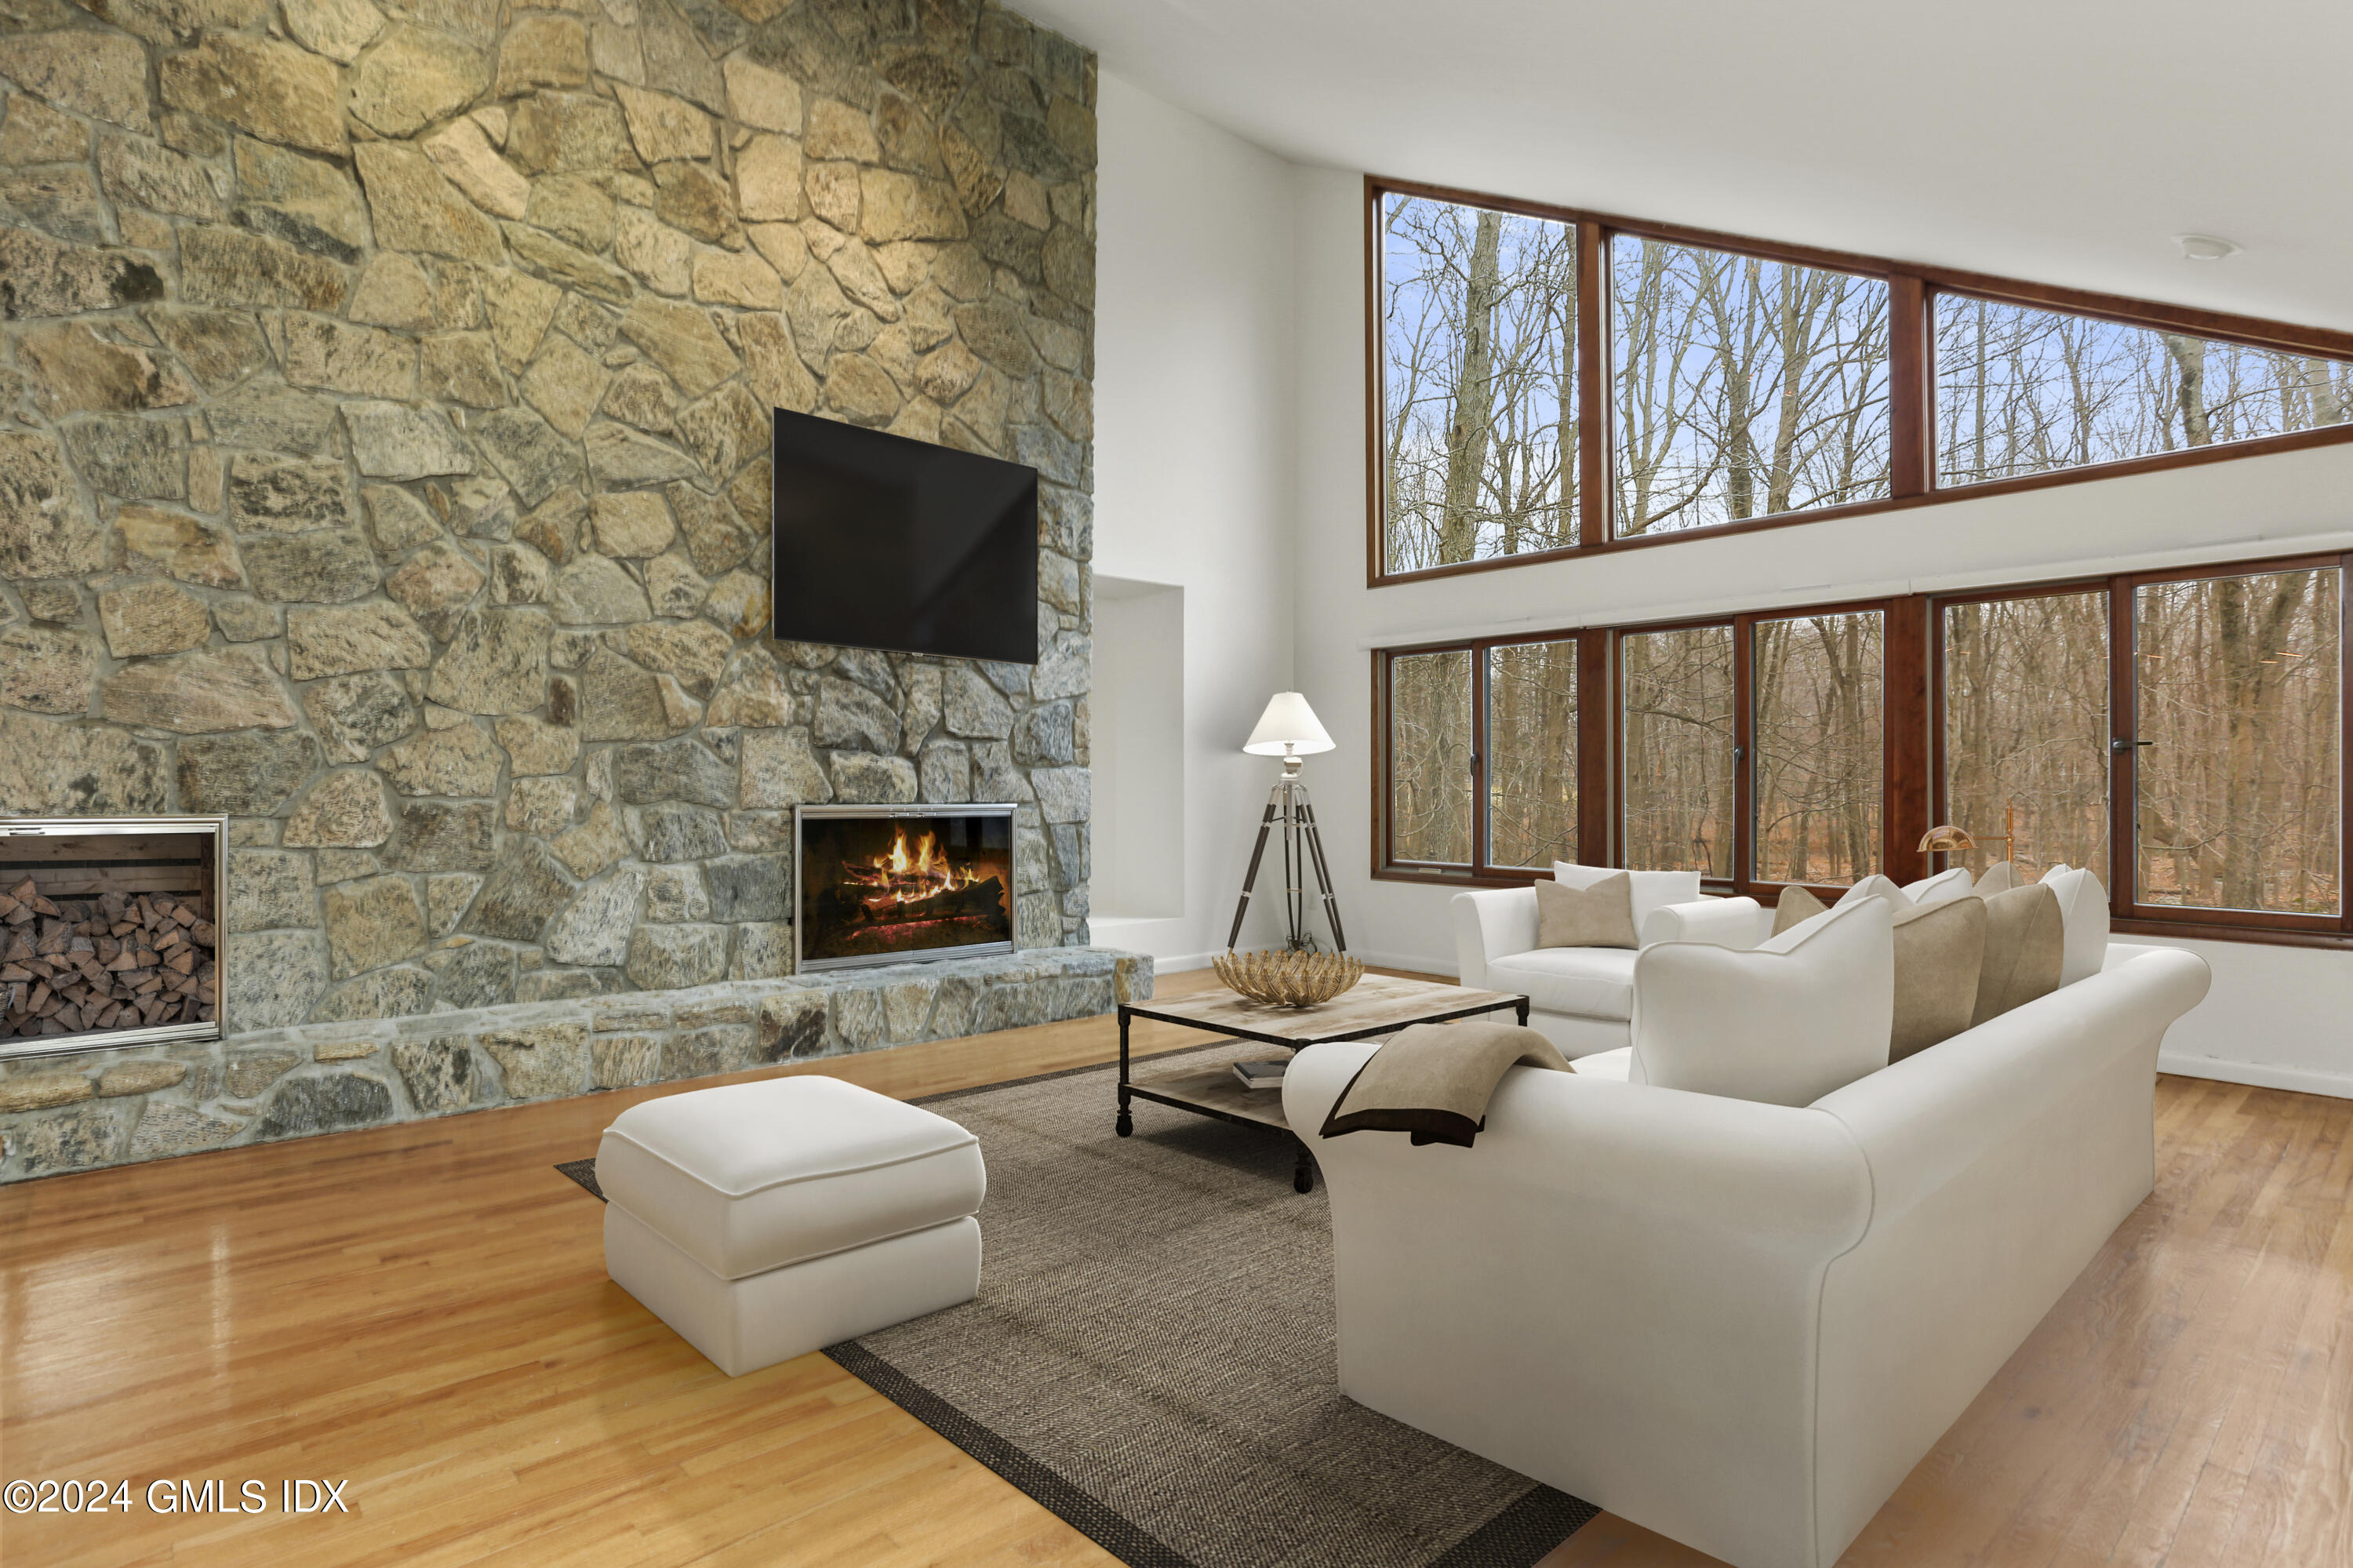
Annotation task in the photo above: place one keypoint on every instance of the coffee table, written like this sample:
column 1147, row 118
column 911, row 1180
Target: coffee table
column 1375, row 1005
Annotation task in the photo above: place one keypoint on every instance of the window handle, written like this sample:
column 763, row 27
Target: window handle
column 2121, row 747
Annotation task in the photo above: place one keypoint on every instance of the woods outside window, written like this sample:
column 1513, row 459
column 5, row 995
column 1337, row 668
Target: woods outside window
column 2181, row 734
column 1741, row 387
column 1488, row 745
column 1544, row 382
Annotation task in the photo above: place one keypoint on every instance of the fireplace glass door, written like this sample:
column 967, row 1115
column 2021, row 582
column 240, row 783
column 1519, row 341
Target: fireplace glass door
column 893, row 884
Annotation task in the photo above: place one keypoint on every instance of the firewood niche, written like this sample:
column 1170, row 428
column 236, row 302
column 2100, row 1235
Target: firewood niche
column 109, row 929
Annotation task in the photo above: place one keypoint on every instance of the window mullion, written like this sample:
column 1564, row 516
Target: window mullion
column 1904, row 788
column 1596, row 491
column 1482, row 743
column 1596, row 704
column 1744, row 754
column 1911, row 381
column 2124, row 783
column 2343, row 739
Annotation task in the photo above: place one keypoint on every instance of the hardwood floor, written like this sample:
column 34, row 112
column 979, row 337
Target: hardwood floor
column 422, row 1311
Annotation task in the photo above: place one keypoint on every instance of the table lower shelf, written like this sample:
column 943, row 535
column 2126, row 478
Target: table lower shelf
column 1214, row 1090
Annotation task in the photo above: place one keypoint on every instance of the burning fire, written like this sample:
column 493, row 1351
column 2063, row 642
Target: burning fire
column 909, row 873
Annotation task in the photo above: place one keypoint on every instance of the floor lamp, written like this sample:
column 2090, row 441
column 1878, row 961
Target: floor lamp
column 1287, row 729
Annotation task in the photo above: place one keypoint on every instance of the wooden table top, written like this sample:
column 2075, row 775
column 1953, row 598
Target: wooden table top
column 1376, row 1004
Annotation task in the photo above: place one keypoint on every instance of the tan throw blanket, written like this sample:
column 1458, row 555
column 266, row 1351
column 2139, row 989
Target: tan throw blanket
column 1433, row 1081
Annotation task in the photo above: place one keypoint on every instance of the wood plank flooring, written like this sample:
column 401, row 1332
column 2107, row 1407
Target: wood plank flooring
column 422, row 1311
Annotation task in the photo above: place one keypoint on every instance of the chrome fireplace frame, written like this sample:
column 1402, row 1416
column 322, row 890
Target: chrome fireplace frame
column 884, row 812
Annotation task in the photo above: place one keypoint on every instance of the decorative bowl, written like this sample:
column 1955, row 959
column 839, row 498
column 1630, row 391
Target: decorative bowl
column 1287, row 979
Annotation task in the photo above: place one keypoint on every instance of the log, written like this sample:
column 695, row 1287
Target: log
column 115, row 959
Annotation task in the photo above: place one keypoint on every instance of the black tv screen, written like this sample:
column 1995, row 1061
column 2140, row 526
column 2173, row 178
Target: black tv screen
column 886, row 542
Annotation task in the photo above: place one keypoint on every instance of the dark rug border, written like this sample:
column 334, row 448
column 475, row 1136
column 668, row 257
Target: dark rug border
column 1524, row 1535
column 1519, row 1536
column 585, row 1172
column 1079, row 1509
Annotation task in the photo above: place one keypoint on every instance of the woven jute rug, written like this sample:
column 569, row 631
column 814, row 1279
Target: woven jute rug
column 1150, row 1355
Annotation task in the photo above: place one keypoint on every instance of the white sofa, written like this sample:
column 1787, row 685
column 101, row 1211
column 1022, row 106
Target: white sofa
column 1740, row 1324
column 1581, row 997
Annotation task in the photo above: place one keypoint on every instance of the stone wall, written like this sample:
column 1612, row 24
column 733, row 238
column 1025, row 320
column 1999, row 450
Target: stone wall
column 382, row 436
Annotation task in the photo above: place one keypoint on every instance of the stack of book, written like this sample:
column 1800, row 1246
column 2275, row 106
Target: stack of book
column 1261, row 1074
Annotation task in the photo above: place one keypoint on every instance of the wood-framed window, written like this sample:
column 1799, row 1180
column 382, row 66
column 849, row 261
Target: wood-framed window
column 2228, row 748
column 1543, row 383
column 1490, row 750
column 2182, row 733
column 1758, row 749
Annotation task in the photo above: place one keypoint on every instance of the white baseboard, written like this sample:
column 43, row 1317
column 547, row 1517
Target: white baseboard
column 1180, row 963
column 2301, row 1080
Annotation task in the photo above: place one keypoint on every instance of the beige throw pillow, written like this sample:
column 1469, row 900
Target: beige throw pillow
column 1599, row 916
column 2025, row 949
column 1939, row 956
column 1654, row 890
column 1795, row 907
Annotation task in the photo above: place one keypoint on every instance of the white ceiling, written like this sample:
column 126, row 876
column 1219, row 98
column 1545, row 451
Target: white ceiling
column 2053, row 140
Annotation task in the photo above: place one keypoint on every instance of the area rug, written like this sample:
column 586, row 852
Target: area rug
column 1150, row 1355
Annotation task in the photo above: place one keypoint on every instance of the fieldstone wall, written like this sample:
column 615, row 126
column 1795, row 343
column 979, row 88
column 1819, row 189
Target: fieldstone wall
column 382, row 462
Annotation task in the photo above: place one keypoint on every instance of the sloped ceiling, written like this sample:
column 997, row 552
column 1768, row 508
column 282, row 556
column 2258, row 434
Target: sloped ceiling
column 2049, row 140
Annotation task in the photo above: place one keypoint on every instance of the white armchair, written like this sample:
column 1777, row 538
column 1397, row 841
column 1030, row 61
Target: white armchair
column 1581, row 997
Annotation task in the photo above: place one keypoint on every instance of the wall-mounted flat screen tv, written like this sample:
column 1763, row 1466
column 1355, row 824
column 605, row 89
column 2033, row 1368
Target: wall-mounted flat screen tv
column 886, row 542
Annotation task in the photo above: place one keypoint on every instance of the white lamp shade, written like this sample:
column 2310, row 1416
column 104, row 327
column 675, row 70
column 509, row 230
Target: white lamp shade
column 1288, row 725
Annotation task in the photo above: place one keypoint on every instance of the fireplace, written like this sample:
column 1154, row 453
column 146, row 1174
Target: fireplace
column 889, row 884
column 109, row 931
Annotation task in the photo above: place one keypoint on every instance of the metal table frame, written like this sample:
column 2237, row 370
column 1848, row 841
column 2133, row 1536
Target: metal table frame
column 1302, row 1177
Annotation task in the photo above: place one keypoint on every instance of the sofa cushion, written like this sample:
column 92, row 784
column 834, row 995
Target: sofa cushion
column 1939, row 950
column 1611, row 1065
column 1876, row 886
column 1810, row 1012
column 1797, row 906
column 2025, row 950
column 1653, row 889
column 2000, row 877
column 2083, row 911
column 1595, row 982
column 1937, row 888
column 1725, row 922
column 1598, row 916
column 750, row 1177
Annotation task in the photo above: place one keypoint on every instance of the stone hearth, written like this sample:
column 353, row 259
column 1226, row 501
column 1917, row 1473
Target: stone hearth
column 110, row 1108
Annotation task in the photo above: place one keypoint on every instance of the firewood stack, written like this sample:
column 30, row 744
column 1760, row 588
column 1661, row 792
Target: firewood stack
column 119, row 960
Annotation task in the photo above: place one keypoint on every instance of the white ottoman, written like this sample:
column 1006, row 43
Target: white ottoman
column 764, row 1221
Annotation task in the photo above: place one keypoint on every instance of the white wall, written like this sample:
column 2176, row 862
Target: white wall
column 1193, row 463
column 1136, row 871
column 2277, row 1015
